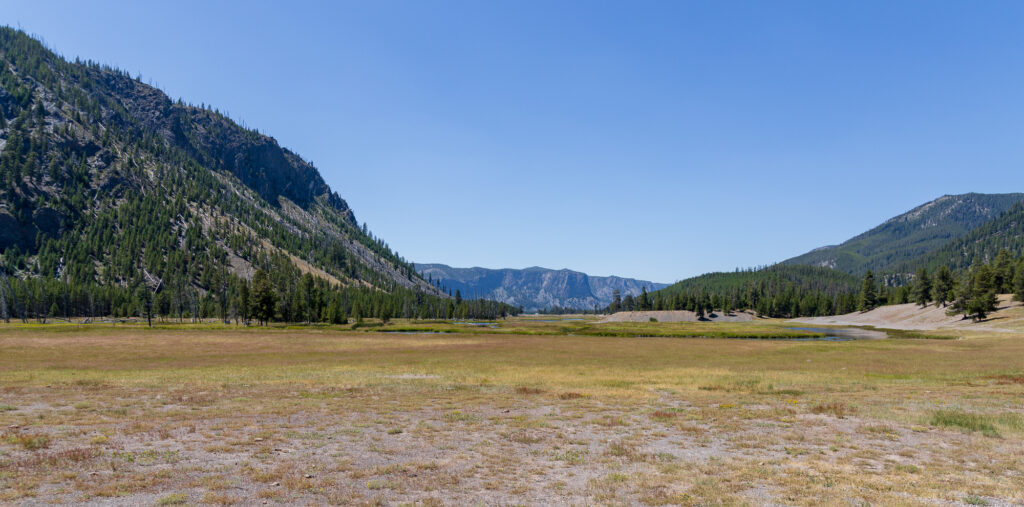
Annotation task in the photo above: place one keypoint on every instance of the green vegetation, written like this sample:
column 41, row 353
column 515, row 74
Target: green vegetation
column 165, row 226
column 803, row 291
column 983, row 244
column 965, row 421
column 775, row 291
column 173, row 499
column 895, row 246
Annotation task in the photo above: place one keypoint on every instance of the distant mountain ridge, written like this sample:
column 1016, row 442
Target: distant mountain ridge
column 916, row 233
column 535, row 288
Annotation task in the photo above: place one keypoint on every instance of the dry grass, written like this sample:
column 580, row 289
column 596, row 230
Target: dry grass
column 329, row 416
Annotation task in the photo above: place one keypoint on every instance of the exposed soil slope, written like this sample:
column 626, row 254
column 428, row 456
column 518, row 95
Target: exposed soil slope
column 913, row 317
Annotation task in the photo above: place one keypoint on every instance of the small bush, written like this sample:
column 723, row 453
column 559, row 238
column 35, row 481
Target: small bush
column 218, row 499
column 457, row 416
column 27, row 441
column 528, row 390
column 835, row 408
column 173, row 499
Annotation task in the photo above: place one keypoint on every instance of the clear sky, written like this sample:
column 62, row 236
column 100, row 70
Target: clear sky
column 656, row 140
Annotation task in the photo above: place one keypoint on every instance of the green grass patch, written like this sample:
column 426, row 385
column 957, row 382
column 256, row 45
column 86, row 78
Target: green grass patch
column 975, row 422
column 173, row 499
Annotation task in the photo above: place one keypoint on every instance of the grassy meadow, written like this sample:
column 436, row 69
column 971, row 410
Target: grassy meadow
column 525, row 412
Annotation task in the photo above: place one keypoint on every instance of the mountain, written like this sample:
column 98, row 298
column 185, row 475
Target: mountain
column 913, row 234
column 535, row 288
column 105, row 181
column 980, row 245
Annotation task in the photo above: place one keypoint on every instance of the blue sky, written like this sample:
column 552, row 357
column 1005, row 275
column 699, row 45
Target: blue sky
column 656, row 140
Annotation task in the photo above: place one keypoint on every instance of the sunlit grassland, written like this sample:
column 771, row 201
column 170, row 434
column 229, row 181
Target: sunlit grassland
column 549, row 412
column 612, row 365
column 591, row 327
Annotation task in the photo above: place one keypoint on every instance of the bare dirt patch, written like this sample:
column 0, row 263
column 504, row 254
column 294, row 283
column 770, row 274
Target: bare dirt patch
column 914, row 317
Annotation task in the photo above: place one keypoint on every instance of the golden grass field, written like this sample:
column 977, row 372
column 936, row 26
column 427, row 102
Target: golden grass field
column 530, row 413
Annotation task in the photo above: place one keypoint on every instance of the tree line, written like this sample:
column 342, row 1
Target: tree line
column 971, row 292
column 284, row 295
column 775, row 291
column 789, row 291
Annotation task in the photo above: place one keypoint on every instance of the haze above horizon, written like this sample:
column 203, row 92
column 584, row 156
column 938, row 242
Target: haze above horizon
column 643, row 139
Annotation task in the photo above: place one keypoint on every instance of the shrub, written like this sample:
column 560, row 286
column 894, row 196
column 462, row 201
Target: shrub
column 835, row 408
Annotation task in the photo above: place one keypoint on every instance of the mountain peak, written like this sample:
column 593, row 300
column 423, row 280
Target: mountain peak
column 911, row 234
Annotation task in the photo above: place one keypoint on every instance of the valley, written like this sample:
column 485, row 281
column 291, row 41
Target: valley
column 190, row 314
column 525, row 412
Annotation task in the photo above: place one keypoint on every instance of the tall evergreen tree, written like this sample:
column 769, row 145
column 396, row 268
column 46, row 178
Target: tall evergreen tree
column 922, row 288
column 1018, row 281
column 616, row 301
column 264, row 297
column 1002, row 272
column 868, row 293
column 942, row 290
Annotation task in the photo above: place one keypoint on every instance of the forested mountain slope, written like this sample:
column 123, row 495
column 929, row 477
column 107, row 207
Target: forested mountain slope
column 981, row 245
column 536, row 288
column 106, row 182
column 913, row 234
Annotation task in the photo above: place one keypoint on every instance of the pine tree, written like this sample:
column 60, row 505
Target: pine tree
column 144, row 301
column 264, row 297
column 629, row 303
column 1018, row 281
column 961, row 295
column 981, row 305
column 244, row 302
column 1002, row 272
column 942, row 291
column 357, row 312
column 3, row 303
column 983, row 298
column 868, row 293
column 923, row 288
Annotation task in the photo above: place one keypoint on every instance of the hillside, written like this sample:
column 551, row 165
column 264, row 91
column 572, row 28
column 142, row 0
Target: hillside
column 107, row 182
column 777, row 291
column 1009, row 315
column 535, row 288
column 1005, row 232
column 916, row 233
